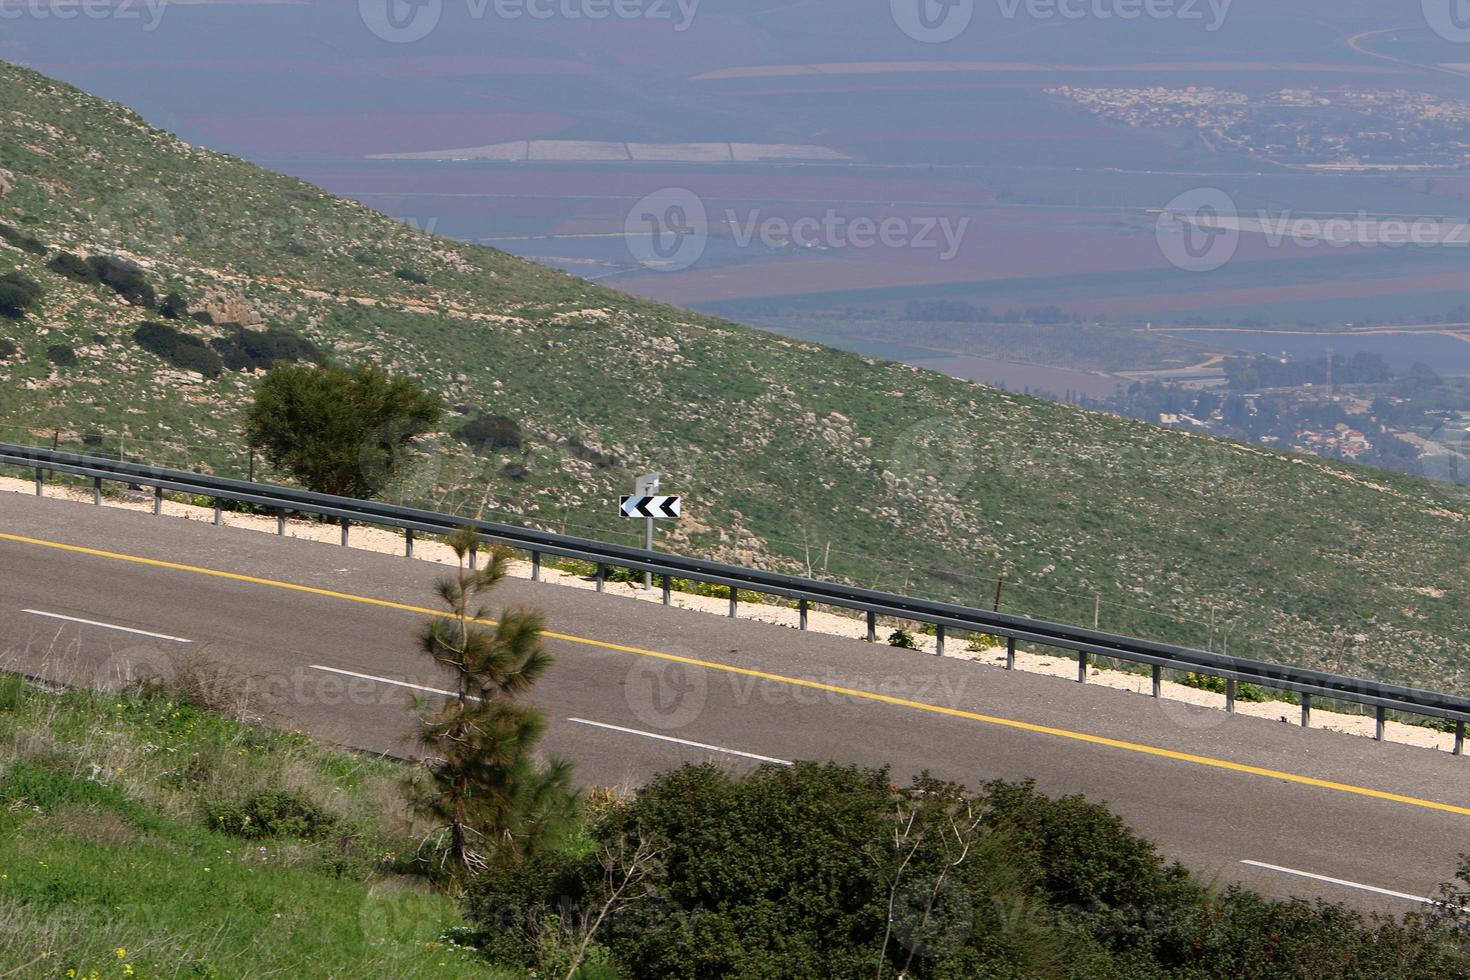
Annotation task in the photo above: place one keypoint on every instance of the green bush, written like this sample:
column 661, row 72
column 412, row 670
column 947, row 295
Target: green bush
column 981, row 642
column 7, row 349
column 18, row 293
column 22, row 240
column 409, row 275
column 827, row 871
column 183, row 351
column 123, row 278
column 62, row 355
column 73, row 267
column 902, row 639
column 490, row 432
column 270, row 813
column 251, row 350
column 173, row 307
column 1209, row 682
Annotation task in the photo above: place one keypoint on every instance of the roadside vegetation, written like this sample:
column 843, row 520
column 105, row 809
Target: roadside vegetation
column 144, row 835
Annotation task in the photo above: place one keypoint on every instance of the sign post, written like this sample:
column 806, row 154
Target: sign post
column 647, row 486
column 646, row 503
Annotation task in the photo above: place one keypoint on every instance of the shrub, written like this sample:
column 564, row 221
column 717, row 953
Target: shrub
column 490, row 432
column 123, row 278
column 249, row 350
column 270, row 813
column 73, row 267
column 1209, row 682
column 408, row 275
column 18, row 293
column 7, row 349
column 62, row 355
column 183, row 351
column 22, row 240
column 174, row 307
column 202, row 316
column 902, row 639
column 826, row 871
column 981, row 642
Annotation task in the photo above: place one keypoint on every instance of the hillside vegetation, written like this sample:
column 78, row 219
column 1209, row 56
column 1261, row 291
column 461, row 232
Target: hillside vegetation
column 789, row 455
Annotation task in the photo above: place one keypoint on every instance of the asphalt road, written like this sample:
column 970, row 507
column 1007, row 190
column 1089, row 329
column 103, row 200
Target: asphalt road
column 325, row 637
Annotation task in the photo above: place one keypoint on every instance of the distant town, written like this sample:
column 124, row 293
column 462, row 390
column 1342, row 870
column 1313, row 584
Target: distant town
column 1309, row 127
column 1354, row 409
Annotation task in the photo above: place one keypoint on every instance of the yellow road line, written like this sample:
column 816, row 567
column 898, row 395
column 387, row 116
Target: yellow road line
column 1025, row 726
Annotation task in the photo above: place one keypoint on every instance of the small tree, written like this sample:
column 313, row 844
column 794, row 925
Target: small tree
column 492, row 800
column 338, row 430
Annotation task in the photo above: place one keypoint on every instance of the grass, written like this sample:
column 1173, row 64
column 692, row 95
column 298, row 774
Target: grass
column 109, row 868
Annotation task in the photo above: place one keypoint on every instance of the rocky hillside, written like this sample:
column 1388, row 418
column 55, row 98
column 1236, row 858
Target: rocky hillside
column 789, row 455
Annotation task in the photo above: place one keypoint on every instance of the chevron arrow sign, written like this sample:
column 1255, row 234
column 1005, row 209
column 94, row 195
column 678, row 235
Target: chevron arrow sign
column 660, row 508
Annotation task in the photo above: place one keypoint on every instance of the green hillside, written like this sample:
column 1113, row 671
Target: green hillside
column 789, row 455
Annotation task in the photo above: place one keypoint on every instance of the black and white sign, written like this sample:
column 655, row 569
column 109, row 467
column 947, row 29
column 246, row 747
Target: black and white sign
column 654, row 507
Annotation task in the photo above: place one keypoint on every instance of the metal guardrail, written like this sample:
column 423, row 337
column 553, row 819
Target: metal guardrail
column 1085, row 643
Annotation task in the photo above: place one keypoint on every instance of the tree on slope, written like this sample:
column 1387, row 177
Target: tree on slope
column 339, row 430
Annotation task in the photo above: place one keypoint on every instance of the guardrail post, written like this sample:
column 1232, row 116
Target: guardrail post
column 1230, row 695
column 346, row 526
column 801, row 610
column 281, row 522
column 40, row 482
column 1306, row 711
column 97, row 490
column 408, row 542
column 1380, row 719
column 535, row 566
column 601, row 576
column 734, row 600
column 1081, row 666
column 1010, row 653
column 872, row 627
column 1460, row 737
column 474, row 554
column 157, row 501
column 939, row 641
column 668, row 584
column 219, row 517
column 1158, row 678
